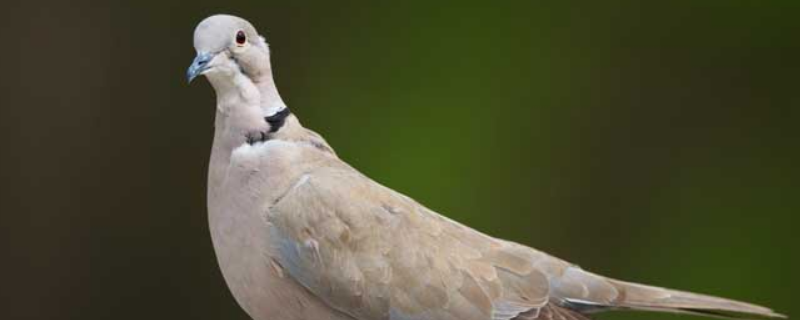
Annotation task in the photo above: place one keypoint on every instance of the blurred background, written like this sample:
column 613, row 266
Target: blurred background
column 654, row 142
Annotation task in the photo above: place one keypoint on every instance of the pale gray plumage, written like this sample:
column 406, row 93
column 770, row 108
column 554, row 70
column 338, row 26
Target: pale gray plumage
column 299, row 234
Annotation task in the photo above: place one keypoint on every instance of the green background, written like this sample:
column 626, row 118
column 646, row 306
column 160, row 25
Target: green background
column 649, row 141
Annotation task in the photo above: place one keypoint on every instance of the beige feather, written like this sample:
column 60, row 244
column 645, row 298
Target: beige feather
column 299, row 234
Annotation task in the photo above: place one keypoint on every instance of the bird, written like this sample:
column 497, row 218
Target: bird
column 300, row 234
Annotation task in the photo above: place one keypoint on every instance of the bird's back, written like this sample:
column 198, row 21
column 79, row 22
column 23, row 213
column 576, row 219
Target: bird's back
column 373, row 253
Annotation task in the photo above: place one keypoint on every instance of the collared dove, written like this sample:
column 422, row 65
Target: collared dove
column 300, row 234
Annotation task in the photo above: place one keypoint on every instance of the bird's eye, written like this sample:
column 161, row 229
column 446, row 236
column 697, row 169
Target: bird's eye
column 240, row 38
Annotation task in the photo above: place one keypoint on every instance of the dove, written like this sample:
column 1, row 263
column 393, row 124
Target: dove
column 300, row 234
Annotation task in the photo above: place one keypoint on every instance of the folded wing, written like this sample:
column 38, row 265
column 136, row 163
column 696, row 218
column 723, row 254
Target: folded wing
column 373, row 253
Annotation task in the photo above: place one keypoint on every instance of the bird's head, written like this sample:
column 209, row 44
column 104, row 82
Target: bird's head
column 228, row 47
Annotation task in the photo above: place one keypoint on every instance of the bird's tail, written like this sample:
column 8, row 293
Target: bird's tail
column 642, row 297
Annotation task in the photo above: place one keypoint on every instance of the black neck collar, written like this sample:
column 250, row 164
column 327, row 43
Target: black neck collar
column 277, row 120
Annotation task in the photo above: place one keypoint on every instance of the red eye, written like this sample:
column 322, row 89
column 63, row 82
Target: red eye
column 240, row 38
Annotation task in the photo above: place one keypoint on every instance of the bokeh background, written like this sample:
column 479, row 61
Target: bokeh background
column 650, row 141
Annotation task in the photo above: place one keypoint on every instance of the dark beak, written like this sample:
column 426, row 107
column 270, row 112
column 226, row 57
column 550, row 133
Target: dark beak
column 199, row 65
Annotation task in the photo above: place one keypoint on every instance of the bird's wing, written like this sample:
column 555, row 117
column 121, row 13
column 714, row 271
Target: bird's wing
column 373, row 253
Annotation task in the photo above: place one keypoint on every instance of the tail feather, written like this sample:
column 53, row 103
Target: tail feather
column 642, row 297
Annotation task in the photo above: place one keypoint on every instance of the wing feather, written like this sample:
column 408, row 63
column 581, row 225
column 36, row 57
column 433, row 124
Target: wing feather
column 373, row 253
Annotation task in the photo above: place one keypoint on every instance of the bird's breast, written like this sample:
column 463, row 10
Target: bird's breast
column 242, row 187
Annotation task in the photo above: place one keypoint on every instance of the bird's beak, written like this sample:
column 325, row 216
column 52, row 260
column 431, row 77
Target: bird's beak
column 199, row 65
